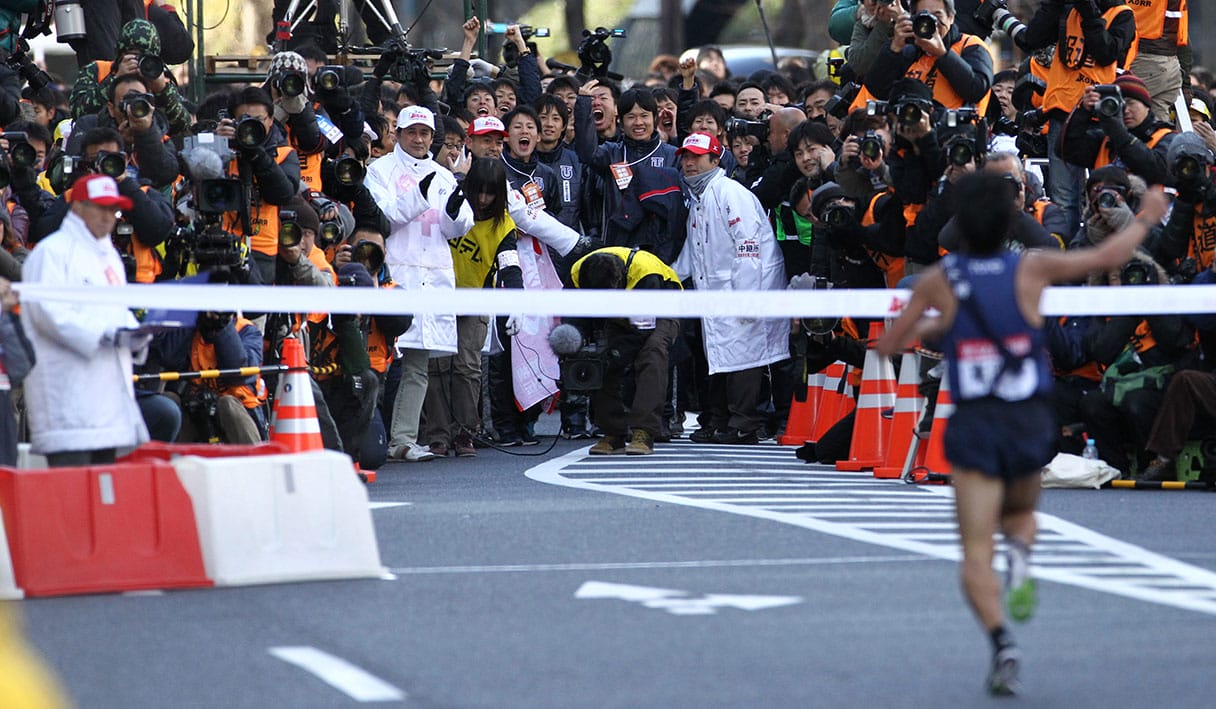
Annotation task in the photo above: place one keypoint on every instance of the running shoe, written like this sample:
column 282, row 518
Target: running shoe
column 1003, row 677
column 1021, row 594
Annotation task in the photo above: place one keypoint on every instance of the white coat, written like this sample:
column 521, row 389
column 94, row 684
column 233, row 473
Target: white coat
column 417, row 251
column 79, row 394
column 730, row 246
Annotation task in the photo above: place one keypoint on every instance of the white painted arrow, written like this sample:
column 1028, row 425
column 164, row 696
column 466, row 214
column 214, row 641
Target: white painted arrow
column 676, row 602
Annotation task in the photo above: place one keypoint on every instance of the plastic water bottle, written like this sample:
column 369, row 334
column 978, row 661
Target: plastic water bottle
column 1091, row 449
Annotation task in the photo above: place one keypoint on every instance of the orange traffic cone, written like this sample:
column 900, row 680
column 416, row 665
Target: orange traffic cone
column 800, row 425
column 935, row 454
column 834, row 403
column 294, row 423
column 908, row 405
column 870, row 429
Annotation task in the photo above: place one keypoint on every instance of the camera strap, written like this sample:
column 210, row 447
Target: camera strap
column 629, row 262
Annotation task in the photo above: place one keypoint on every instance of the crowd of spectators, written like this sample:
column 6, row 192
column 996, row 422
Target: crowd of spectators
column 512, row 174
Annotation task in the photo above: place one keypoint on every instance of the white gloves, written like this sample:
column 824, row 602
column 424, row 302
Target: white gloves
column 643, row 323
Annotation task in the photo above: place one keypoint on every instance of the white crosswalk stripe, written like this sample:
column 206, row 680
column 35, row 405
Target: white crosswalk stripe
column 766, row 481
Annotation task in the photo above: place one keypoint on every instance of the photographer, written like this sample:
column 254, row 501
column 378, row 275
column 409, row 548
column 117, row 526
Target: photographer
column 1092, row 39
column 1114, row 124
column 864, row 173
column 229, row 409
column 150, row 216
column 130, row 109
column 138, row 52
column 1112, row 199
column 638, row 344
column 927, row 46
column 1025, row 232
column 105, row 20
column 268, row 168
column 1190, row 232
column 849, row 239
column 779, row 172
column 872, row 31
column 288, row 84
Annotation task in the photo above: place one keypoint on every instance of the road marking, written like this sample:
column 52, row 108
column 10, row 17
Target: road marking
column 678, row 602
column 849, row 505
column 352, row 681
column 386, row 505
column 699, row 564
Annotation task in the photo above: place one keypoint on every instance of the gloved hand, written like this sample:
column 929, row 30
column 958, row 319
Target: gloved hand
column 483, row 69
column 803, row 281
column 583, row 246
column 513, row 324
column 293, row 104
column 987, row 8
column 454, row 202
column 424, row 185
column 1088, row 9
column 1117, row 216
column 384, row 65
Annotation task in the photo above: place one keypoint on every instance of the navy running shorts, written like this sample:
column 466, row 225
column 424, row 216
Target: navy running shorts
column 1004, row 439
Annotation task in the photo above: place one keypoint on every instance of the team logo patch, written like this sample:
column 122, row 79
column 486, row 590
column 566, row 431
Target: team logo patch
column 567, row 172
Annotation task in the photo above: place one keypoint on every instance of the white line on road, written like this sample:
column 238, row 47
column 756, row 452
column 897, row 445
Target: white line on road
column 352, row 681
column 385, row 505
column 700, row 564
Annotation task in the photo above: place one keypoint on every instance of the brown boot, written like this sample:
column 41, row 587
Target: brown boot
column 609, row 445
column 642, row 443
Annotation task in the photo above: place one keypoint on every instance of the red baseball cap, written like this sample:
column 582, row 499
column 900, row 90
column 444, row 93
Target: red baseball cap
column 701, row 144
column 486, row 125
column 99, row 189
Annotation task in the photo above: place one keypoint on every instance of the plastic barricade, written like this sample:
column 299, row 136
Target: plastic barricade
column 8, row 582
column 156, row 450
column 28, row 460
column 100, row 528
column 272, row 519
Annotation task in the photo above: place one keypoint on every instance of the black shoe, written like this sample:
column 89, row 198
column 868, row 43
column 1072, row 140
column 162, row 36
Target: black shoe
column 510, row 440
column 1003, row 676
column 1160, row 470
column 526, row 438
column 733, row 436
column 703, row 435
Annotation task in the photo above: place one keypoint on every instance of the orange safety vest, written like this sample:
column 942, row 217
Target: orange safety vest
column 202, row 356
column 925, row 69
column 378, row 349
column 310, row 170
column 892, row 266
column 1038, row 210
column 1106, row 157
column 1073, row 68
column 1161, row 19
column 263, row 217
column 1202, row 246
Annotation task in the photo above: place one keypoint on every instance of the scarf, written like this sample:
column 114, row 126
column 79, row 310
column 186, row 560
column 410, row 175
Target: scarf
column 698, row 183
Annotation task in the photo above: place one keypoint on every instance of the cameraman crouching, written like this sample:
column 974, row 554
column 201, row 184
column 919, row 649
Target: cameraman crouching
column 640, row 344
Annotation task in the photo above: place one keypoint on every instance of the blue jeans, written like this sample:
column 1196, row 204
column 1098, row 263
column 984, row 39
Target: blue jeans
column 1065, row 180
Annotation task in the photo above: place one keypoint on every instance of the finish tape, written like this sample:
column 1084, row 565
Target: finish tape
column 874, row 303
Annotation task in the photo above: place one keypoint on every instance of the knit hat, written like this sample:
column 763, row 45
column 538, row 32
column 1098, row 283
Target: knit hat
column 139, row 37
column 306, row 216
column 1133, row 87
column 288, row 61
column 822, row 196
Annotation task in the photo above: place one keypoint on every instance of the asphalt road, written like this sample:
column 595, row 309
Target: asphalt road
column 702, row 576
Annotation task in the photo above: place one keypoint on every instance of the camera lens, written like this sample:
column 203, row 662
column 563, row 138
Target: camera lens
column 331, row 233
column 138, row 107
column 112, row 164
column 369, row 254
column 328, row 80
column 250, row 132
column 961, row 154
column 1109, row 107
column 349, row 171
column 291, row 84
column 910, row 113
column 151, row 67
column 924, row 25
column 290, row 234
column 23, row 155
column 871, row 148
column 1108, row 199
column 1189, row 168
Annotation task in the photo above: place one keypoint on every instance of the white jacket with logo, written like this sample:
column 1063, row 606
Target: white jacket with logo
column 417, row 251
column 730, row 246
column 79, row 394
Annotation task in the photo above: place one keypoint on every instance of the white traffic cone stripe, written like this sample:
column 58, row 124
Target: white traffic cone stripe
column 294, row 426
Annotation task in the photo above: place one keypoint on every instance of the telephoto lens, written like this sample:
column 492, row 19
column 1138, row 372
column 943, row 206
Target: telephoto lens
column 290, row 232
column 151, row 66
column 112, row 164
column 924, row 24
column 23, row 154
column 138, row 107
column 290, row 84
column 250, row 133
column 330, row 234
column 961, row 153
column 329, row 78
column 349, row 171
column 1189, row 169
column 909, row 113
column 1108, row 199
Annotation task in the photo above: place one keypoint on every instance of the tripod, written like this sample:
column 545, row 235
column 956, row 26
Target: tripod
column 379, row 18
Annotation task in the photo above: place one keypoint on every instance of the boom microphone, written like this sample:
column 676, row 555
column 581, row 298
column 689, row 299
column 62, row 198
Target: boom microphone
column 565, row 339
column 555, row 65
column 203, row 164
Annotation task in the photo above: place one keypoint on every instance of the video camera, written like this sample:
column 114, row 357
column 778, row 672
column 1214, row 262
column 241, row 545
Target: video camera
column 409, row 64
column 510, row 53
column 739, row 127
column 584, row 370
column 21, row 62
column 595, row 56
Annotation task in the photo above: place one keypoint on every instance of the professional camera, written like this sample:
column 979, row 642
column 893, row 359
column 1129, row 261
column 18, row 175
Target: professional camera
column 956, row 117
column 1184, row 272
column 1108, row 199
column 137, row 105
column 349, row 171
column 370, row 254
column 838, row 216
column 216, row 197
column 289, row 83
column 151, row 66
column 960, row 150
column 109, row 163
column 737, row 127
column 21, row 62
column 250, row 132
column 924, row 24
column 330, row 234
column 121, row 238
column 329, row 78
column 290, row 232
column 1110, row 104
column 877, row 108
column 584, row 370
column 409, row 64
column 594, row 55
column 21, row 153
column 872, row 145
column 838, row 106
column 1138, row 273
column 909, row 111
column 69, row 20
column 510, row 53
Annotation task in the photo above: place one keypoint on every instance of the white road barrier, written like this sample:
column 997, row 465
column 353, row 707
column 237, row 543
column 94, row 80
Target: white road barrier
column 8, row 581
column 1126, row 300
column 279, row 518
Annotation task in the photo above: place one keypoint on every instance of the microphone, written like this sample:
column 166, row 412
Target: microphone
column 565, row 339
column 555, row 65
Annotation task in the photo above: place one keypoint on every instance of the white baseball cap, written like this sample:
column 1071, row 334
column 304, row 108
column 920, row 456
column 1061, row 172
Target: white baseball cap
column 415, row 115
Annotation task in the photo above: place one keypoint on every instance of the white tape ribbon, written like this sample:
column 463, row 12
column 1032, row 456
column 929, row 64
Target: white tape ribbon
column 1122, row 300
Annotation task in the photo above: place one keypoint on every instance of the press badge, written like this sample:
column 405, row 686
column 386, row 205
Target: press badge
column 328, row 129
column 532, row 195
column 622, row 174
